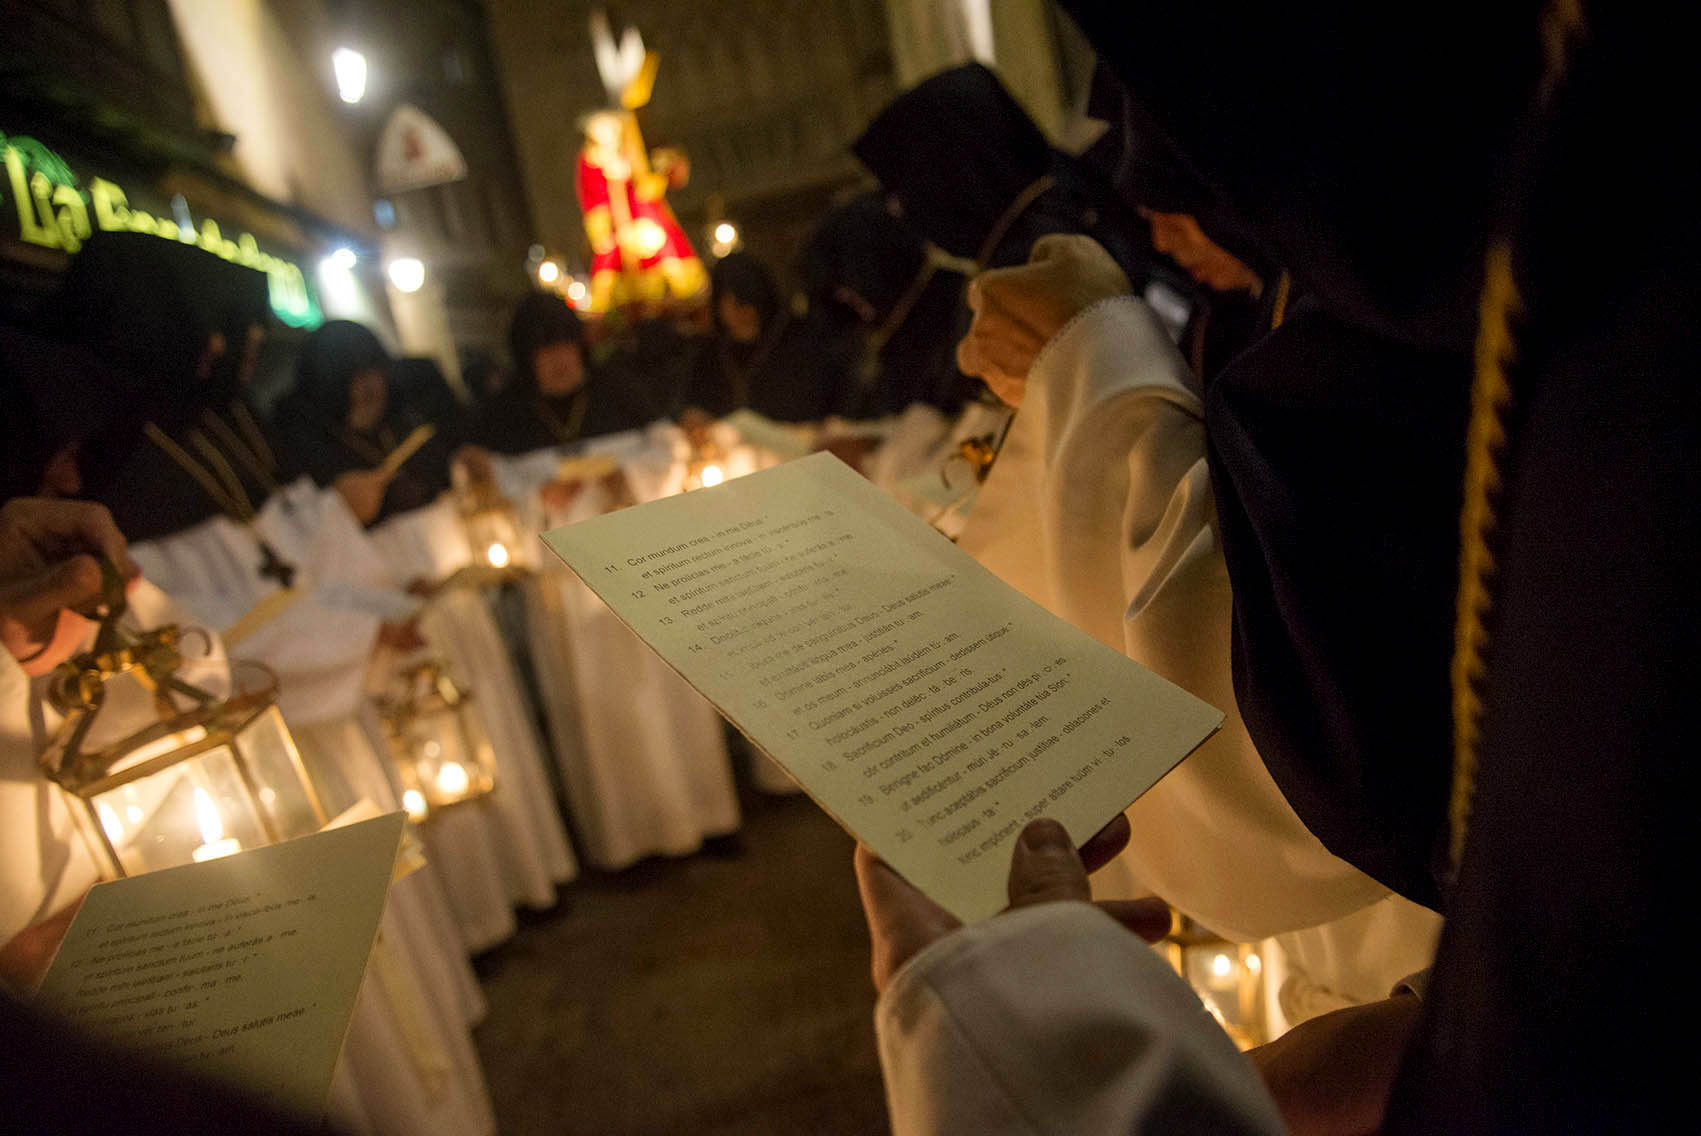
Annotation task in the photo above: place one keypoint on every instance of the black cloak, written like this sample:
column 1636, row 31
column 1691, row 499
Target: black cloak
column 147, row 308
column 1375, row 152
column 960, row 155
column 312, row 418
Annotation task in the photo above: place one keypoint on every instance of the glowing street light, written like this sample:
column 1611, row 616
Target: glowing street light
column 576, row 291
column 549, row 272
column 350, row 68
column 341, row 259
column 724, row 238
column 407, row 273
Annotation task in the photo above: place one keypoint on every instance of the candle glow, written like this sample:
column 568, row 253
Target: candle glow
column 452, row 779
column 214, row 842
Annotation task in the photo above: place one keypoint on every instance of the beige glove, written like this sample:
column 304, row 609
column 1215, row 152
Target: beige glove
column 1018, row 310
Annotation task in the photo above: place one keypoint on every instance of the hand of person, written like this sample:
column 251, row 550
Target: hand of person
column 476, row 461
column 1044, row 868
column 1331, row 1076
column 25, row 959
column 695, row 422
column 49, row 573
column 403, row 637
column 1018, row 310
column 558, row 495
column 363, row 491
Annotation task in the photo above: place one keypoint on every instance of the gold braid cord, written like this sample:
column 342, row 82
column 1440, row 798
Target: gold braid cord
column 1562, row 29
column 1490, row 392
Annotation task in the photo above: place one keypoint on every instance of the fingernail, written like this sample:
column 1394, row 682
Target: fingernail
column 1044, row 833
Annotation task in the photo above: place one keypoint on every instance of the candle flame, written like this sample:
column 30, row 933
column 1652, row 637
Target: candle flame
column 452, row 778
column 712, row 475
column 207, row 816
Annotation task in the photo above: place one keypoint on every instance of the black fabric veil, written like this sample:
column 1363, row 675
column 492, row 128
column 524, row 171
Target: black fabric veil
column 960, row 154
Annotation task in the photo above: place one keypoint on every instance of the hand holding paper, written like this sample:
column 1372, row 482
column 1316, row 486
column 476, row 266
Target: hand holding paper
column 926, row 705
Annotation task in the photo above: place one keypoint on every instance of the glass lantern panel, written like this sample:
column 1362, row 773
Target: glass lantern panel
column 432, row 743
column 195, row 810
column 496, row 540
column 280, row 778
column 1216, row 972
column 476, row 737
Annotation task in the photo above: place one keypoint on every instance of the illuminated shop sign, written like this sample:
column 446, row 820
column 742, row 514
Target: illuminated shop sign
column 55, row 211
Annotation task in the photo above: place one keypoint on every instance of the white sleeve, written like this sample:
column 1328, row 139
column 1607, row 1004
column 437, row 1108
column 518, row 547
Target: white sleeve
column 1131, row 539
column 1054, row 1019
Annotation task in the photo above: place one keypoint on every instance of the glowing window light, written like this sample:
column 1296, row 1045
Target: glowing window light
column 350, row 68
column 407, row 273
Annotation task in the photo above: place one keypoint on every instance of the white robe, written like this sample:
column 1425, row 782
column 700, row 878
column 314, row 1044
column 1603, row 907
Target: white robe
column 524, row 827
column 319, row 652
column 1107, row 461
column 642, row 754
column 1054, row 1019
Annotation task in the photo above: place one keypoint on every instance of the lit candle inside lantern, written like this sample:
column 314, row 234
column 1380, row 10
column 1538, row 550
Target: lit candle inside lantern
column 712, row 475
column 452, row 779
column 414, row 802
column 497, row 554
column 215, row 842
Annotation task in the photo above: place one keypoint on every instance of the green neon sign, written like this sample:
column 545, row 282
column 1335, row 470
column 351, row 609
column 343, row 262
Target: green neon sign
column 56, row 212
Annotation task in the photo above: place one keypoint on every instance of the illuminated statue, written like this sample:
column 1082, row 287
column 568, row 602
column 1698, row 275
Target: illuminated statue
column 638, row 251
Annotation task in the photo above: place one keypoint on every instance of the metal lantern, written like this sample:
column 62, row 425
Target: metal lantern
column 205, row 778
column 706, row 466
column 1228, row 977
column 493, row 529
column 437, row 740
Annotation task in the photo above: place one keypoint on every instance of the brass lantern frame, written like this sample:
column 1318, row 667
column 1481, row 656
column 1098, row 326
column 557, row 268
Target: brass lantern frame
column 77, row 690
column 427, row 688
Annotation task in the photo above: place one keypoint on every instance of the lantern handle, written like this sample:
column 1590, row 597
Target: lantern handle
column 115, row 604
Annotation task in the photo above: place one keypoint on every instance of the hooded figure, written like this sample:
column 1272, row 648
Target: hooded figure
column 346, row 413
column 974, row 175
column 760, row 356
column 178, row 329
column 1504, row 740
column 45, row 414
column 868, row 275
column 555, row 397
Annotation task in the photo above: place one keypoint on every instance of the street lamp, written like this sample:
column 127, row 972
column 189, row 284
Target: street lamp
column 350, row 68
column 407, row 273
